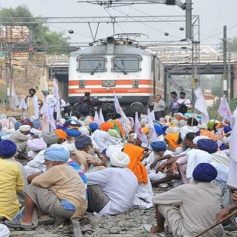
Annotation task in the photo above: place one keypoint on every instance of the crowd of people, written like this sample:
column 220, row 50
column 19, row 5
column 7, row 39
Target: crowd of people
column 109, row 167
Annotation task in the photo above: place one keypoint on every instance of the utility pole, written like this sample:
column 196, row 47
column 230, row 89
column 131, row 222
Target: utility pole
column 189, row 24
column 225, row 76
column 229, row 78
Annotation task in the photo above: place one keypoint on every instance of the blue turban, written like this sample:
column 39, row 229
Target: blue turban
column 82, row 142
column 223, row 147
column 17, row 125
column 164, row 128
column 56, row 154
column 159, row 130
column 204, row 172
column 207, row 145
column 227, row 129
column 7, row 148
column 73, row 132
column 93, row 126
column 158, row 146
column 36, row 123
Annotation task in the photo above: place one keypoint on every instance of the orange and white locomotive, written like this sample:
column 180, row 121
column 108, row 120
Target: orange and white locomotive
column 115, row 66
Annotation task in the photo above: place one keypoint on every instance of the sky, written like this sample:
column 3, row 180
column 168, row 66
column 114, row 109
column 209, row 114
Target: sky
column 214, row 14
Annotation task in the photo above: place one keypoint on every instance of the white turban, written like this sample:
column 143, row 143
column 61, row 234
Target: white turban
column 35, row 131
column 84, row 131
column 113, row 148
column 36, row 144
column 119, row 159
column 25, row 128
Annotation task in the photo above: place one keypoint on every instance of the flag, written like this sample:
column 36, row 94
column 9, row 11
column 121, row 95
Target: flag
column 233, row 138
column 96, row 118
column 201, row 105
column 152, row 131
column 101, row 116
column 153, row 115
column 224, row 109
column 56, row 95
column 119, row 110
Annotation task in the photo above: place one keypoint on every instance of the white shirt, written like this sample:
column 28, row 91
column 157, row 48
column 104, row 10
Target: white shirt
column 119, row 184
column 187, row 102
column 102, row 140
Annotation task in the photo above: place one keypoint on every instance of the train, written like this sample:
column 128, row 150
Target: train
column 115, row 66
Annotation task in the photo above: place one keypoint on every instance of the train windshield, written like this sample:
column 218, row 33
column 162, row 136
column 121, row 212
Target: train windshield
column 127, row 63
column 91, row 64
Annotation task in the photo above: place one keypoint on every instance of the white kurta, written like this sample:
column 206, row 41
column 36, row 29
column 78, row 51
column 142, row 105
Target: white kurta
column 102, row 140
column 119, row 184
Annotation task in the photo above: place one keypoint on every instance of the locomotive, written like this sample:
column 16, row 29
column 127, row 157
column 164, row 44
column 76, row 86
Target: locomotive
column 115, row 65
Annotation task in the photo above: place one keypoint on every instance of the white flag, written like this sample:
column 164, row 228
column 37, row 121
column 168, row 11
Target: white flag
column 233, row 139
column 56, row 95
column 125, row 120
column 153, row 115
column 101, row 116
column 201, row 105
column 96, row 118
column 224, row 109
column 152, row 131
column 119, row 110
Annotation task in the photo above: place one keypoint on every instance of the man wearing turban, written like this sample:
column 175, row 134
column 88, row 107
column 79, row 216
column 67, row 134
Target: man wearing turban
column 85, row 155
column 59, row 192
column 190, row 208
column 11, row 181
column 111, row 190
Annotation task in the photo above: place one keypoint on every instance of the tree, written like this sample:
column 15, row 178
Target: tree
column 232, row 44
column 43, row 39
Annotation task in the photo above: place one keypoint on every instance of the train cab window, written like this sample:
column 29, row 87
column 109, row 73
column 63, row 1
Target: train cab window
column 91, row 64
column 126, row 63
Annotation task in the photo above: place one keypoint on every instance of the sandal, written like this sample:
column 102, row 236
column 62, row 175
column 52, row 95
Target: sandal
column 18, row 224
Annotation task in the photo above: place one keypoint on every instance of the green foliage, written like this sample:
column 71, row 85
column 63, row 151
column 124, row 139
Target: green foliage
column 232, row 44
column 42, row 38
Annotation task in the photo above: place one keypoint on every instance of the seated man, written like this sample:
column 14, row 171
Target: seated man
column 111, row 191
column 59, row 192
column 21, row 136
column 85, row 155
column 153, row 161
column 190, row 208
column 11, row 181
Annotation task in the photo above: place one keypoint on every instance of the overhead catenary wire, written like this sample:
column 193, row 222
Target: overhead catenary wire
column 143, row 23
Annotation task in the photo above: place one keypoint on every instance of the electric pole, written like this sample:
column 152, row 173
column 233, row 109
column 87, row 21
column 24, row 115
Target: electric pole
column 225, row 76
column 189, row 24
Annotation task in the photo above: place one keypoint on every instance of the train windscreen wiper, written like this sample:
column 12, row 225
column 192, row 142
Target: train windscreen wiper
column 96, row 68
column 125, row 73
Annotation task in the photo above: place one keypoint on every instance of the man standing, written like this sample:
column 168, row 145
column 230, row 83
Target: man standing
column 184, row 104
column 158, row 107
column 174, row 106
column 32, row 104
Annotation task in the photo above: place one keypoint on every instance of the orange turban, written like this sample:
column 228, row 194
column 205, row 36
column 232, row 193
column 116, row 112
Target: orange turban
column 106, row 126
column 136, row 155
column 145, row 130
column 60, row 134
column 172, row 139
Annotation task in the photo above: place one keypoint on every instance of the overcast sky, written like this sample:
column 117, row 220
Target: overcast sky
column 213, row 14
